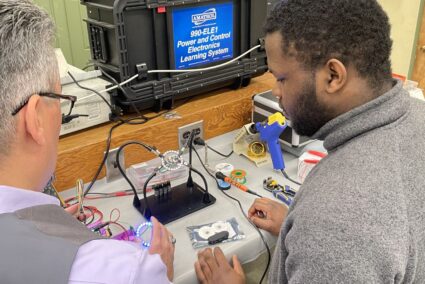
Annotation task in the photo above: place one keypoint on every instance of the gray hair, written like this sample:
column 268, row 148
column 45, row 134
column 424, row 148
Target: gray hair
column 28, row 64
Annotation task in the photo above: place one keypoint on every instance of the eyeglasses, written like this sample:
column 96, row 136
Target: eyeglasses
column 70, row 100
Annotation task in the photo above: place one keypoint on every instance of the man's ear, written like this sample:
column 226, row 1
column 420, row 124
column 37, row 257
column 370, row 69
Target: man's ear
column 336, row 75
column 33, row 120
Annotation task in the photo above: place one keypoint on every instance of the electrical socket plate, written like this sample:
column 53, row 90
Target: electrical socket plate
column 185, row 130
column 112, row 171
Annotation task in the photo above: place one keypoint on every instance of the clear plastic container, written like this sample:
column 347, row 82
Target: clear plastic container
column 139, row 173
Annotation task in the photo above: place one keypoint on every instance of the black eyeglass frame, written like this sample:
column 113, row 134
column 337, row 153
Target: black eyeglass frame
column 72, row 99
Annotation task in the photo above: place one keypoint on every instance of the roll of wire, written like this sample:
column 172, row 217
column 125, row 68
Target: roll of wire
column 256, row 149
column 238, row 176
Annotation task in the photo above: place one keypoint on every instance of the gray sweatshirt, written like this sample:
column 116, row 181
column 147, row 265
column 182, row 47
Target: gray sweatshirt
column 359, row 217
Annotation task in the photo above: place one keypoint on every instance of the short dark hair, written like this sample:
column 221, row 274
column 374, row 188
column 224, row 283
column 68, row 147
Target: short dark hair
column 355, row 32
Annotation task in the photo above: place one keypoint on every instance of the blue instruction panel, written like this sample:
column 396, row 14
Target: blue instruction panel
column 202, row 34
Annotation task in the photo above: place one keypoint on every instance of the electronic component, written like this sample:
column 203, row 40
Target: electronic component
column 216, row 232
column 194, row 34
column 271, row 185
column 185, row 198
column 172, row 160
column 144, row 234
column 162, row 189
column 218, row 237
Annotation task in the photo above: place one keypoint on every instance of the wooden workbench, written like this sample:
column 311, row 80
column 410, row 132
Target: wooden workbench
column 222, row 111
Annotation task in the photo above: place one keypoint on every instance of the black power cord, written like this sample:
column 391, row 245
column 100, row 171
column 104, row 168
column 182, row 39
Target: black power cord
column 136, row 201
column 246, row 217
column 91, row 90
column 105, row 156
column 201, row 142
column 288, row 178
column 123, row 91
column 131, row 121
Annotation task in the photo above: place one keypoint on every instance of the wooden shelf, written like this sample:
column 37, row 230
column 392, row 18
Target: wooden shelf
column 222, row 111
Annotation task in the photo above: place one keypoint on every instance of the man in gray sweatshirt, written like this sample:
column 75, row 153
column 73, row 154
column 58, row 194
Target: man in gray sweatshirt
column 359, row 217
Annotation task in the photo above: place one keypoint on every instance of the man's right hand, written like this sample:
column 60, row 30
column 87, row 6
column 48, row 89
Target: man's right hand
column 268, row 215
column 161, row 244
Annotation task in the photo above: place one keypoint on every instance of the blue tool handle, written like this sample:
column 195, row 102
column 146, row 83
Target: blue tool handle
column 276, row 154
column 270, row 132
column 282, row 197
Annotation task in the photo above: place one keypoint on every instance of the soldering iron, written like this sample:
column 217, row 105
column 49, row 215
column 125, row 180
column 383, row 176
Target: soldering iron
column 242, row 187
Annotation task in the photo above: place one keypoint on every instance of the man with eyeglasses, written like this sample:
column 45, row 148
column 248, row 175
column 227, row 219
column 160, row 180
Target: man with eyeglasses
column 39, row 241
column 65, row 117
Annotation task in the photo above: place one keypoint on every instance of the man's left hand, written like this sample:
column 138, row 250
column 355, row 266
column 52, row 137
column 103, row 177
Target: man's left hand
column 212, row 267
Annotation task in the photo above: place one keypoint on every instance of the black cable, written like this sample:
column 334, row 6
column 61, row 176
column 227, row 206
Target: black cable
column 246, row 217
column 91, row 90
column 205, row 168
column 92, row 215
column 123, row 91
column 287, row 177
column 189, row 143
column 132, row 101
column 256, row 194
column 206, row 193
column 113, row 111
column 136, row 201
column 221, row 154
column 88, row 66
column 105, row 156
column 199, row 141
column 108, row 147
column 130, row 121
column 259, row 232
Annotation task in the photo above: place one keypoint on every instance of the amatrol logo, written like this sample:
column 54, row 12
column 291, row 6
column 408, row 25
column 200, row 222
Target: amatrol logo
column 208, row 15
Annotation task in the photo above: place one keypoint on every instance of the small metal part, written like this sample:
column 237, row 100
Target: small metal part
column 185, row 130
column 112, row 171
column 270, row 184
column 206, row 155
column 256, row 149
column 218, row 237
column 282, row 197
column 171, row 160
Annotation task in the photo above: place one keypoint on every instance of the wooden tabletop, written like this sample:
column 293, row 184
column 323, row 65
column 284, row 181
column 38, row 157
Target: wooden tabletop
column 222, row 111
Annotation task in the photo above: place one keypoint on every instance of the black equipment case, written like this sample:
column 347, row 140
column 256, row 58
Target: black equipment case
column 132, row 37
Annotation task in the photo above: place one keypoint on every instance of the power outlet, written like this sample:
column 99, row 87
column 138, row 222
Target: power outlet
column 185, row 130
column 112, row 171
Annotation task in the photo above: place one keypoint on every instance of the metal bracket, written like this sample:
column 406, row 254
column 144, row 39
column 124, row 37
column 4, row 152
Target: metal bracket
column 112, row 171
